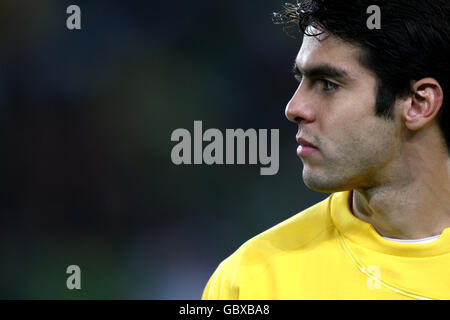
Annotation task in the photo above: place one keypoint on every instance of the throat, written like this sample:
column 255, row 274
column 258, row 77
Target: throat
column 401, row 220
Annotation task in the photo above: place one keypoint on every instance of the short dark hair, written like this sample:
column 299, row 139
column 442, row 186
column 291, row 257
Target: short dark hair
column 413, row 42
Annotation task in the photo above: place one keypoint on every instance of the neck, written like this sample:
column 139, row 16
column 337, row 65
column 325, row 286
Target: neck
column 413, row 204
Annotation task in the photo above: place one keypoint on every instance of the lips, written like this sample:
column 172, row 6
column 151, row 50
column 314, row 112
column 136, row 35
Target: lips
column 305, row 143
column 305, row 149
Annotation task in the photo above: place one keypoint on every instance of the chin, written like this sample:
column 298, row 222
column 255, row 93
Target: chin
column 324, row 184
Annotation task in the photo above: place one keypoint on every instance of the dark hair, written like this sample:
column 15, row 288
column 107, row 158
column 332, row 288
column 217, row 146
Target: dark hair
column 413, row 42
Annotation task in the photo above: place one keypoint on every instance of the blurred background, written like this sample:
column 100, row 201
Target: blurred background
column 86, row 118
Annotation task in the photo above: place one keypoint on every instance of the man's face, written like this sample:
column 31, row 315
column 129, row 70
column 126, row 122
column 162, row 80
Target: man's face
column 334, row 107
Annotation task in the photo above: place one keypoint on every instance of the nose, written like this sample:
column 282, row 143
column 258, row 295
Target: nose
column 297, row 108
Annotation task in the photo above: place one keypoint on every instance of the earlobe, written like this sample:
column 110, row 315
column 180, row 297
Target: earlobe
column 425, row 103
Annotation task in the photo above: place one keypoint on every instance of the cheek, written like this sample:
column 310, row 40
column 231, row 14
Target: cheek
column 360, row 142
column 351, row 130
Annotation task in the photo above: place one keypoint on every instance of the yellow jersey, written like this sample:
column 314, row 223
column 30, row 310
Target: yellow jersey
column 325, row 252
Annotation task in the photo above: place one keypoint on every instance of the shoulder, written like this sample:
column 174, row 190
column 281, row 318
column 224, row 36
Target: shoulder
column 295, row 234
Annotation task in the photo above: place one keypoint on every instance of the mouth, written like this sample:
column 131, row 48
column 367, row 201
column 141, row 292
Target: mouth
column 305, row 143
column 305, row 147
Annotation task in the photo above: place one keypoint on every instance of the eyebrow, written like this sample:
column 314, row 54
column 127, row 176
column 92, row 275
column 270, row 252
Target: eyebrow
column 322, row 70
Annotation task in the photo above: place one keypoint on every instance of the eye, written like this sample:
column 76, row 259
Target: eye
column 298, row 77
column 328, row 85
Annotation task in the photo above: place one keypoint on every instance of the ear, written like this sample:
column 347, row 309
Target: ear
column 426, row 101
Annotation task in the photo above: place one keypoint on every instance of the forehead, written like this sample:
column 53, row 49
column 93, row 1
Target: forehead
column 329, row 49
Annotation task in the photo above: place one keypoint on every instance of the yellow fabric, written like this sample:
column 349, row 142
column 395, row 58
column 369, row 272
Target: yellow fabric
column 325, row 252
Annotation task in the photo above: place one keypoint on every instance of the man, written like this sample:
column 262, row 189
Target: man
column 373, row 129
